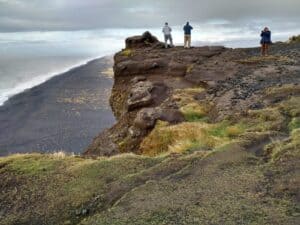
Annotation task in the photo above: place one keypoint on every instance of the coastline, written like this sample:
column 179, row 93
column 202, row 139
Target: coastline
column 23, row 87
column 63, row 113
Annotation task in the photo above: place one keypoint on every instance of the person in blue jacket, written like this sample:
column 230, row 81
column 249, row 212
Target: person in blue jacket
column 265, row 41
column 187, row 35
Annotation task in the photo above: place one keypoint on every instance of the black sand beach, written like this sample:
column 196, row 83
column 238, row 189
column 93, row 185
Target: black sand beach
column 64, row 113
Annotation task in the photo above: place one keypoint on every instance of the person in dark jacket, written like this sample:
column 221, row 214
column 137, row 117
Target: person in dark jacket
column 187, row 35
column 265, row 41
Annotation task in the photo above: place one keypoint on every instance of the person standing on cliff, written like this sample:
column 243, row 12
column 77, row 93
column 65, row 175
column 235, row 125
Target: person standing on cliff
column 265, row 41
column 187, row 35
column 168, row 36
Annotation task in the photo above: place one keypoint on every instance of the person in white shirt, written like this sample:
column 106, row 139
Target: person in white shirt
column 168, row 36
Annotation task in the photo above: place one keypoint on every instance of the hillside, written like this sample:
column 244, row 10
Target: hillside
column 216, row 137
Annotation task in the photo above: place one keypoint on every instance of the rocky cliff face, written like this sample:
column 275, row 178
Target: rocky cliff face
column 151, row 82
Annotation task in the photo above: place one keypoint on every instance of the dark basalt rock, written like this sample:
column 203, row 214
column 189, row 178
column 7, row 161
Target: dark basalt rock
column 147, row 82
column 145, row 40
column 147, row 117
column 140, row 95
column 138, row 79
column 171, row 116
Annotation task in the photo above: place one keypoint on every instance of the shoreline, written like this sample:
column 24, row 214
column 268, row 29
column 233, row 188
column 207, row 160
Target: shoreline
column 63, row 113
column 39, row 80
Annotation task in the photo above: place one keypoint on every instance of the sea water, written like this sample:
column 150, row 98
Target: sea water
column 30, row 58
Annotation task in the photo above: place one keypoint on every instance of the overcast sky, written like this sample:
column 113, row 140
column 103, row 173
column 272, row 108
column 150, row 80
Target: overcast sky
column 47, row 15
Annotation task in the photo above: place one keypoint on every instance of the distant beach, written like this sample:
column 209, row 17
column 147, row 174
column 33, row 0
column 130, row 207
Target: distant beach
column 64, row 113
column 22, row 74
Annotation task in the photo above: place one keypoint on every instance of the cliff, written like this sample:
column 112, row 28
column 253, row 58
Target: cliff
column 217, row 132
column 206, row 85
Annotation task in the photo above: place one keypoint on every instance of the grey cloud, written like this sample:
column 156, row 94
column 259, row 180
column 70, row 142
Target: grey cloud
column 27, row 15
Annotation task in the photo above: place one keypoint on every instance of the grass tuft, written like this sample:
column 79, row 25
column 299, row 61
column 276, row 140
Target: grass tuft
column 284, row 90
column 32, row 164
column 127, row 52
column 181, row 138
column 294, row 124
column 225, row 129
column 281, row 150
column 291, row 106
column 194, row 112
column 189, row 68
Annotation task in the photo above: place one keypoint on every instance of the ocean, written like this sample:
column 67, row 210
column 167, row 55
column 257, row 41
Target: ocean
column 30, row 58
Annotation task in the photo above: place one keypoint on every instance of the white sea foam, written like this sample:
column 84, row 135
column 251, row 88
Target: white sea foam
column 37, row 80
column 28, row 59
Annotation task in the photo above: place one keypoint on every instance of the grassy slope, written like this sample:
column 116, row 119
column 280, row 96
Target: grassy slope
column 227, row 184
column 38, row 189
column 238, row 182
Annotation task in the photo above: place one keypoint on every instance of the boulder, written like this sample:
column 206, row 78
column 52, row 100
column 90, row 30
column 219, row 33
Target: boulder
column 103, row 145
column 138, row 79
column 140, row 67
column 140, row 95
column 146, row 118
column 208, row 76
column 141, row 41
column 177, row 69
column 171, row 116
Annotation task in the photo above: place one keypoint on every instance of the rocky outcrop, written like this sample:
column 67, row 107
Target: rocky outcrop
column 145, row 40
column 145, row 93
column 147, row 117
column 140, row 95
column 147, row 76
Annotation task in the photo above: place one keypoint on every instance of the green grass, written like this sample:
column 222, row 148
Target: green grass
column 280, row 150
column 268, row 119
column 291, row 106
column 219, row 130
column 212, row 178
column 158, row 143
column 60, row 187
column 294, row 124
column 194, row 112
column 195, row 117
column 224, row 186
column 31, row 164
column 226, row 129
column 195, row 145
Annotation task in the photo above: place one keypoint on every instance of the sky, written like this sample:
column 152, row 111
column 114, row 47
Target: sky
column 66, row 15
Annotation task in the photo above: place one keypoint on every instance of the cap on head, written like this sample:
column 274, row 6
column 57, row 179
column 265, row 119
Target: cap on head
column 166, row 23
